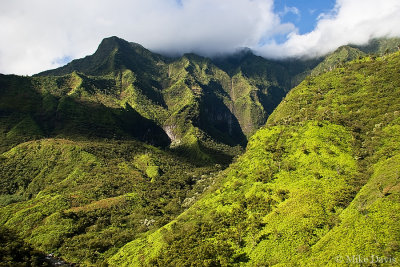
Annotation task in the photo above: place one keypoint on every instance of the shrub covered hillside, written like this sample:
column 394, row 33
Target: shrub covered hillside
column 376, row 47
column 83, row 200
column 319, row 185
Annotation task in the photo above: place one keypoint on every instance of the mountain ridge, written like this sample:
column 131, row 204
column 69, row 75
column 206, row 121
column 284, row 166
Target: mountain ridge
column 111, row 47
column 246, row 89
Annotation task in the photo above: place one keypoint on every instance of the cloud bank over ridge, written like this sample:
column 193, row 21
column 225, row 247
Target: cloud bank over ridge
column 351, row 21
column 43, row 34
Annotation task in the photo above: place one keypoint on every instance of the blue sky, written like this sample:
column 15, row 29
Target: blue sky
column 44, row 34
column 303, row 13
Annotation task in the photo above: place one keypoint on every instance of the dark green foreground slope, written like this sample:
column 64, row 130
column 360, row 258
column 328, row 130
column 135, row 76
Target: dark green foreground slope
column 319, row 185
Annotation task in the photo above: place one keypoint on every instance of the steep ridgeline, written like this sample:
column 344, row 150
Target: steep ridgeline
column 39, row 107
column 319, row 185
column 204, row 107
column 346, row 53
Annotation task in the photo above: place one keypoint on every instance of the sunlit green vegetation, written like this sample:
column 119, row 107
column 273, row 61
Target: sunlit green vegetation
column 86, row 199
column 319, row 181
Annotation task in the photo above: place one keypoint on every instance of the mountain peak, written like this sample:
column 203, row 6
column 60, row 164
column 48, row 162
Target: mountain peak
column 116, row 42
column 112, row 54
column 111, row 42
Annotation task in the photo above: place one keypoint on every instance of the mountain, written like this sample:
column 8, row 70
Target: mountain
column 202, row 104
column 121, row 158
column 317, row 186
column 114, row 54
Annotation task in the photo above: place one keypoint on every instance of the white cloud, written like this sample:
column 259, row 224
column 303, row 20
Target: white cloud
column 289, row 9
column 312, row 11
column 351, row 21
column 39, row 35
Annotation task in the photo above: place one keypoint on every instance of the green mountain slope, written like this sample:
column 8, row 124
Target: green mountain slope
column 340, row 56
column 85, row 199
column 318, row 185
column 194, row 99
column 32, row 108
column 381, row 46
column 348, row 53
